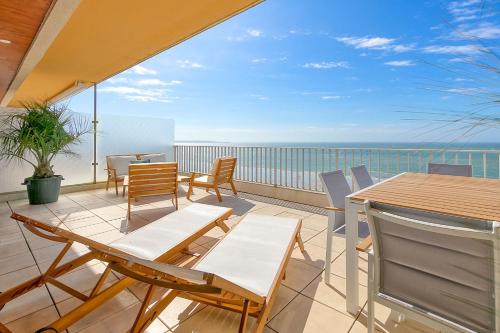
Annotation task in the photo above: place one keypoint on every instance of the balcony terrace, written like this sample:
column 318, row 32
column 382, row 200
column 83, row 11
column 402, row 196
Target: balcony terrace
column 304, row 302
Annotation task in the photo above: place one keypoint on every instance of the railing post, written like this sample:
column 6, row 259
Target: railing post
column 275, row 166
column 484, row 165
column 379, row 165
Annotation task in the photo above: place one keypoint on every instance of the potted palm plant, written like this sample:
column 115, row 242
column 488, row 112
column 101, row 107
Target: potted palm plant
column 36, row 136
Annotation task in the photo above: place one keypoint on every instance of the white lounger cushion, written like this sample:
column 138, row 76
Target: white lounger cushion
column 251, row 254
column 156, row 238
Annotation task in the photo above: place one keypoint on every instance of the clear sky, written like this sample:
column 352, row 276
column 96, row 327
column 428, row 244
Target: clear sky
column 294, row 70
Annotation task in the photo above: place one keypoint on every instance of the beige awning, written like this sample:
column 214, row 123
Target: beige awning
column 104, row 37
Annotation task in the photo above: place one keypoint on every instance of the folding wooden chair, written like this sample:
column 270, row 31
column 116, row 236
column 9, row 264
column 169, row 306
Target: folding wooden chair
column 152, row 179
column 160, row 241
column 242, row 273
column 221, row 173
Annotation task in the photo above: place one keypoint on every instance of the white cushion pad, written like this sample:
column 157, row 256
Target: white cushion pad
column 156, row 238
column 120, row 163
column 251, row 254
column 155, row 158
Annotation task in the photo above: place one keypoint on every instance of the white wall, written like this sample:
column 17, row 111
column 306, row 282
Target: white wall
column 115, row 135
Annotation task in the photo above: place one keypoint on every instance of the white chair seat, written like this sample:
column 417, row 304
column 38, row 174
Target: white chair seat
column 203, row 179
column 156, row 238
column 251, row 254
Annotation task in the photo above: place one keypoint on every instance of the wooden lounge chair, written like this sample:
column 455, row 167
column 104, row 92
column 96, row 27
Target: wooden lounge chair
column 242, row 273
column 221, row 173
column 152, row 179
column 159, row 241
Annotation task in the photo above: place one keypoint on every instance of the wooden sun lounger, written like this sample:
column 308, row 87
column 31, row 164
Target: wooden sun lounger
column 242, row 273
column 159, row 241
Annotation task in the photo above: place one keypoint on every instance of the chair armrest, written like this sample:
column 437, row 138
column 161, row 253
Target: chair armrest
column 365, row 244
column 335, row 209
column 111, row 172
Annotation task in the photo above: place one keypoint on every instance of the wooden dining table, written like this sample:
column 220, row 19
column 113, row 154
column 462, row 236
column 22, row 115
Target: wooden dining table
column 467, row 197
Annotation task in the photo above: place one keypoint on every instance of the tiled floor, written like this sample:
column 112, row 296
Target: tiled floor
column 304, row 302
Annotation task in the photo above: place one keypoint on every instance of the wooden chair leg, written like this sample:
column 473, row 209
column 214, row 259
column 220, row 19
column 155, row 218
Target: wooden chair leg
column 107, row 184
column 138, row 323
column 176, row 202
column 300, row 243
column 128, row 209
column 116, row 186
column 206, row 189
column 233, row 187
column 216, row 189
column 244, row 317
column 190, row 191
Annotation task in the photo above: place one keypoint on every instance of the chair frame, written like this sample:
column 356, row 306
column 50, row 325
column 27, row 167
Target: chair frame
column 98, row 295
column 216, row 183
column 431, row 165
column 111, row 172
column 198, row 286
column 152, row 179
column 409, row 310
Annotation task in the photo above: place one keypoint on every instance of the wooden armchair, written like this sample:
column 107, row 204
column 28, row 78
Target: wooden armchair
column 221, row 173
column 152, row 179
column 117, row 168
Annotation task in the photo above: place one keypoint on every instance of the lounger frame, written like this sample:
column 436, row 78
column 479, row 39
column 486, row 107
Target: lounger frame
column 198, row 286
column 98, row 295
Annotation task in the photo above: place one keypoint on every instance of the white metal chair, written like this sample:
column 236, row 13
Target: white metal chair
column 361, row 177
column 336, row 189
column 450, row 169
column 436, row 269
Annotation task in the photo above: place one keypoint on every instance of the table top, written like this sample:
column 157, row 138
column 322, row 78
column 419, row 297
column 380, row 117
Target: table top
column 468, row 197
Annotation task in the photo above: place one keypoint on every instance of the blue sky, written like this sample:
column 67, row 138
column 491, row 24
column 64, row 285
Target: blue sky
column 320, row 71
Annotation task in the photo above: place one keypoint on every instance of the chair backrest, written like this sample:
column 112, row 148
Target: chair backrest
column 435, row 264
column 361, row 177
column 120, row 163
column 450, row 169
column 152, row 179
column 336, row 188
column 153, row 158
column 223, row 169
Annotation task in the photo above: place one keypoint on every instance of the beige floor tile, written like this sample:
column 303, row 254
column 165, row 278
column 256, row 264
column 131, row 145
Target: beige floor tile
column 72, row 214
column 82, row 280
column 212, row 320
column 271, row 210
column 299, row 274
column 308, row 234
column 313, row 255
column 108, row 236
column 304, row 315
column 28, row 303
column 16, row 262
column 94, row 229
column 110, row 212
column 180, row 310
column 34, row 321
column 384, row 322
column 320, row 240
column 315, row 222
column 301, row 213
column 333, row 294
column 83, row 222
column 284, row 297
column 9, row 228
column 13, row 244
column 122, row 321
column 339, row 268
column 114, row 305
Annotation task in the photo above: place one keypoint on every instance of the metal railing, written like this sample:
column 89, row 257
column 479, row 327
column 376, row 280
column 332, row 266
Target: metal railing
column 299, row 167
